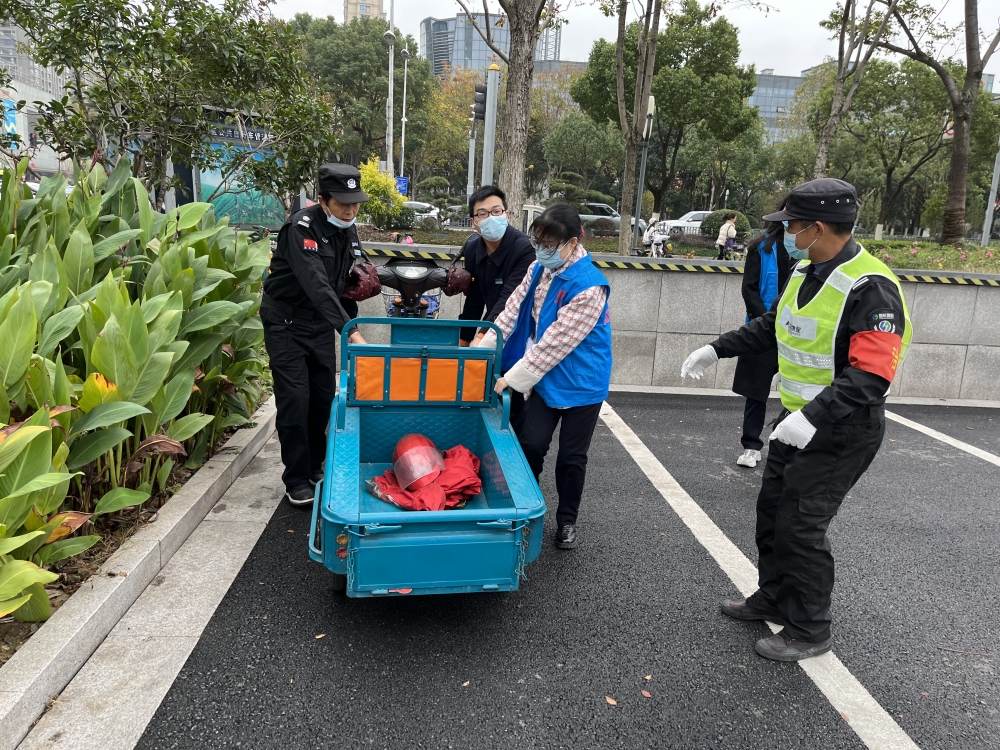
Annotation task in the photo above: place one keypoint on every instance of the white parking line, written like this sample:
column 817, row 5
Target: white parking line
column 977, row 452
column 866, row 717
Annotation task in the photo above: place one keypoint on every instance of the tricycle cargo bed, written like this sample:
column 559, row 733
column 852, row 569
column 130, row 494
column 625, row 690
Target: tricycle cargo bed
column 424, row 383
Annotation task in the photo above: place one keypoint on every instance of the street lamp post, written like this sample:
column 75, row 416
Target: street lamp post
column 390, row 39
column 405, row 54
column 646, row 132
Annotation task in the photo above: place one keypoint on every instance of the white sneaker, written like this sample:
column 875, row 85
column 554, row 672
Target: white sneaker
column 750, row 458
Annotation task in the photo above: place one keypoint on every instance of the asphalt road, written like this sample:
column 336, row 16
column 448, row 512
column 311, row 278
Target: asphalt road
column 918, row 563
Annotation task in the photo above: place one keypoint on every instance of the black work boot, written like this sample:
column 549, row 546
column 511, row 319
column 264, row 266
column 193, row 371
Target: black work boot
column 566, row 536
column 754, row 607
column 781, row 647
column 299, row 495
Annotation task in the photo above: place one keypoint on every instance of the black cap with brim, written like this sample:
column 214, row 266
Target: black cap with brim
column 343, row 182
column 827, row 200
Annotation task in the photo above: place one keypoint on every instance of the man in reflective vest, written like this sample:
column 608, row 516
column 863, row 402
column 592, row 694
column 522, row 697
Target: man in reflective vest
column 842, row 329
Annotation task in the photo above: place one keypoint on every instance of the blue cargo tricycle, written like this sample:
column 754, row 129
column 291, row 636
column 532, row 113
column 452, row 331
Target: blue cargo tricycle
column 423, row 382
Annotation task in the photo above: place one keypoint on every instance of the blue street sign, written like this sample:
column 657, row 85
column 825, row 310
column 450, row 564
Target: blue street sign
column 10, row 116
column 403, row 185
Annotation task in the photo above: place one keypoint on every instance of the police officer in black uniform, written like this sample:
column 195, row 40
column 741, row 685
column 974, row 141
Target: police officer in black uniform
column 819, row 451
column 303, row 314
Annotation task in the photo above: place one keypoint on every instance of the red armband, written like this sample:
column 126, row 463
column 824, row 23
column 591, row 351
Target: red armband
column 876, row 352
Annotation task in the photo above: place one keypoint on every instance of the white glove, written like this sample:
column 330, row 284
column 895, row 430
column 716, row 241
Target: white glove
column 698, row 361
column 795, row 429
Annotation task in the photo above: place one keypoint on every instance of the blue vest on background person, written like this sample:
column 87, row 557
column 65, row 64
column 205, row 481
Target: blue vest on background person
column 582, row 377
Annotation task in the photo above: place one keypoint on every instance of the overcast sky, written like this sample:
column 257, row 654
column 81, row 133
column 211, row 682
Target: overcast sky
column 788, row 39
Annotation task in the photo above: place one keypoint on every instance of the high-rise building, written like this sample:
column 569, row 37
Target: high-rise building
column 773, row 97
column 22, row 68
column 357, row 8
column 455, row 42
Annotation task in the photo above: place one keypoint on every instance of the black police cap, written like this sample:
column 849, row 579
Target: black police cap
column 343, row 182
column 827, row 199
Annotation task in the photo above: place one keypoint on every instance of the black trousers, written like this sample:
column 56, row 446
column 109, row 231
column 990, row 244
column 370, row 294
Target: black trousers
column 303, row 356
column 538, row 423
column 754, row 414
column 800, row 494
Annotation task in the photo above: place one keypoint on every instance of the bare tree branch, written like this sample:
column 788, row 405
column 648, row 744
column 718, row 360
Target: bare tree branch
column 487, row 36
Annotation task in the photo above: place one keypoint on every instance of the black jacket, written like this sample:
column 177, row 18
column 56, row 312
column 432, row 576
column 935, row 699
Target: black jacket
column 754, row 371
column 311, row 264
column 495, row 276
column 854, row 391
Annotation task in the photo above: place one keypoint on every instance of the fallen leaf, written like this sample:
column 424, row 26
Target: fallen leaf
column 844, row 717
column 291, row 681
column 649, row 677
column 891, row 440
column 646, row 694
column 466, row 683
column 926, row 695
column 611, row 701
column 123, row 574
column 968, row 428
column 291, row 531
column 983, row 702
column 321, row 635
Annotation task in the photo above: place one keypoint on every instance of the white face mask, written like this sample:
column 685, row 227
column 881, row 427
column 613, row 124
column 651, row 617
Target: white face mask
column 340, row 223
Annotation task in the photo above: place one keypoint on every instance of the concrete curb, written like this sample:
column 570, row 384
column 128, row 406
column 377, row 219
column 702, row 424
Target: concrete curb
column 51, row 658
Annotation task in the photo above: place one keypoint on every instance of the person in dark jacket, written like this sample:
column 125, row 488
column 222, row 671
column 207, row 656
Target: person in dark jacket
column 764, row 276
column 497, row 256
column 842, row 330
column 303, row 312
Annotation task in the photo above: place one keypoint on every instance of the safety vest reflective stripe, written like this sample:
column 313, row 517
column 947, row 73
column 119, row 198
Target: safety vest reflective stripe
column 805, row 391
column 805, row 359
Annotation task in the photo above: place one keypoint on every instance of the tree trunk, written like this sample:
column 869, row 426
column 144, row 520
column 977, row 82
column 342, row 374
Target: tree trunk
column 522, row 18
column 953, row 231
column 629, row 177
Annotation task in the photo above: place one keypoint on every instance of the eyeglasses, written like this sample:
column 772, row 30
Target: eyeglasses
column 546, row 247
column 485, row 212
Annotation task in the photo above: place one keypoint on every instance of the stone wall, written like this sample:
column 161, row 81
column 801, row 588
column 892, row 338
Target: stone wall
column 658, row 317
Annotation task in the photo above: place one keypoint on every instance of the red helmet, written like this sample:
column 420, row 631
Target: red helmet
column 416, row 462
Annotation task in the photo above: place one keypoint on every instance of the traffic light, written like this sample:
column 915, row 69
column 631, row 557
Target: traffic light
column 479, row 108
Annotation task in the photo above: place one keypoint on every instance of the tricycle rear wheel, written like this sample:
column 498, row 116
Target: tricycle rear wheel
column 339, row 583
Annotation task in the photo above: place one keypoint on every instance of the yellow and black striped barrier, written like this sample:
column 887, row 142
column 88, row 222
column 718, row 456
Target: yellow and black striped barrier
column 654, row 265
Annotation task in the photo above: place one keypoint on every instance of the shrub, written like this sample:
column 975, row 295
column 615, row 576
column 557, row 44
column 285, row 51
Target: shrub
column 428, row 224
column 602, row 228
column 406, row 219
column 711, row 224
column 103, row 386
column 384, row 202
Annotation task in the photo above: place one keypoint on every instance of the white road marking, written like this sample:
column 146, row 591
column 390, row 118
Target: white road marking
column 867, row 718
column 977, row 452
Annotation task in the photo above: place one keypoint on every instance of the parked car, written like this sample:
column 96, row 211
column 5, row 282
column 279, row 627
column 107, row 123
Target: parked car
column 689, row 223
column 604, row 211
column 423, row 210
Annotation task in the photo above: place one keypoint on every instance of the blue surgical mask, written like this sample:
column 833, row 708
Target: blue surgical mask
column 790, row 247
column 548, row 257
column 340, row 223
column 493, row 227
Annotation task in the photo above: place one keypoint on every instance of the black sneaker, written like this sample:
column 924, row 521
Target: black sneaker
column 316, row 477
column 781, row 647
column 754, row 607
column 299, row 495
column 566, row 536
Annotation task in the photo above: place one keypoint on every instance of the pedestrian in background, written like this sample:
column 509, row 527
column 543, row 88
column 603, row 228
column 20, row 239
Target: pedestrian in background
column 558, row 328
column 764, row 276
column 727, row 235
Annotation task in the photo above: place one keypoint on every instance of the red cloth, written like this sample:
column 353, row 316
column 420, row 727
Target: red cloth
column 459, row 481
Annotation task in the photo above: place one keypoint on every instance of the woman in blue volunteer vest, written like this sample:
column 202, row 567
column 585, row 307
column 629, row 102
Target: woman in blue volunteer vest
column 764, row 276
column 557, row 351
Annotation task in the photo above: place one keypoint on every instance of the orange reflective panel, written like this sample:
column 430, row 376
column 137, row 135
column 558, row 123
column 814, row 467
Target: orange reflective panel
column 369, row 378
column 474, row 381
column 442, row 380
column 404, row 379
